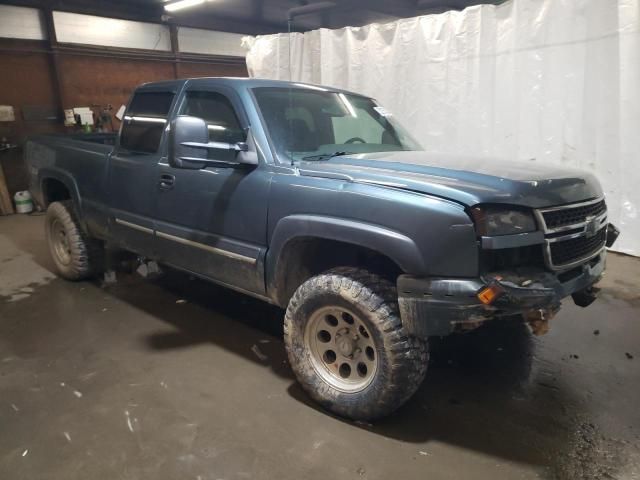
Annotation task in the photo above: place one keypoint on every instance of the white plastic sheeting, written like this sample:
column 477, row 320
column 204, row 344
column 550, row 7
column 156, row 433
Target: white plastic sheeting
column 549, row 81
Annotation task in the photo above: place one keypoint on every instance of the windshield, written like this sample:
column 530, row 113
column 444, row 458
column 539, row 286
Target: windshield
column 314, row 124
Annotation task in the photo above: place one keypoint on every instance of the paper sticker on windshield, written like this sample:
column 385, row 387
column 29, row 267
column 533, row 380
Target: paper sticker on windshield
column 383, row 111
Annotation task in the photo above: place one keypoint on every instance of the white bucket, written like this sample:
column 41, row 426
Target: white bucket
column 24, row 204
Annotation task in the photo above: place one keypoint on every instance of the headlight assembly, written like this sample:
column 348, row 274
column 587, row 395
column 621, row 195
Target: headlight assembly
column 498, row 220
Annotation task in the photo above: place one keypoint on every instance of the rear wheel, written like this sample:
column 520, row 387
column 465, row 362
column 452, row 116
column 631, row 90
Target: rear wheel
column 75, row 255
column 347, row 346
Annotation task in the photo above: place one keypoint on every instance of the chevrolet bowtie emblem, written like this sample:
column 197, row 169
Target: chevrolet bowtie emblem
column 591, row 226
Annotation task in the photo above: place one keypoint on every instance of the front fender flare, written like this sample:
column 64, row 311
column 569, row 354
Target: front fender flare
column 395, row 245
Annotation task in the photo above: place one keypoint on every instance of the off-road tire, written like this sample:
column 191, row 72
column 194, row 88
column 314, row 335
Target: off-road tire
column 81, row 256
column 401, row 360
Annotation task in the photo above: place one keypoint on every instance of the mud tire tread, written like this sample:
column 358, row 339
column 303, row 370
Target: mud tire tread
column 87, row 254
column 402, row 359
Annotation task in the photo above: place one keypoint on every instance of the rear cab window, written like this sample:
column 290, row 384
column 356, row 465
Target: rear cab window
column 145, row 120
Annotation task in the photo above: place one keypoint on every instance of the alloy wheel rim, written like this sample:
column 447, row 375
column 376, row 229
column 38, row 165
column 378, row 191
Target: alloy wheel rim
column 341, row 348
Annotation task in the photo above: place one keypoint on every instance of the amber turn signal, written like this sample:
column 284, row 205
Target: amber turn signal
column 488, row 294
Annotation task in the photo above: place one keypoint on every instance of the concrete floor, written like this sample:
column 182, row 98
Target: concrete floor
column 178, row 379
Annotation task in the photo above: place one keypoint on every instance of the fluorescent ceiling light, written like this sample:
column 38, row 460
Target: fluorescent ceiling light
column 172, row 7
column 216, row 127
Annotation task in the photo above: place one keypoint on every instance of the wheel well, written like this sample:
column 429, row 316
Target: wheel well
column 302, row 258
column 54, row 191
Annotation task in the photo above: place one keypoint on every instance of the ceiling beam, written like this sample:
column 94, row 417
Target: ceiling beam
column 154, row 13
column 397, row 8
column 258, row 10
column 211, row 21
column 309, row 9
column 253, row 21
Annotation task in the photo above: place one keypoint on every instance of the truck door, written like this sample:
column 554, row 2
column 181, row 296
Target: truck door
column 213, row 221
column 133, row 169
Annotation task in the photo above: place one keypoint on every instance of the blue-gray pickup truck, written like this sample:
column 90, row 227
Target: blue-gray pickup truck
column 317, row 200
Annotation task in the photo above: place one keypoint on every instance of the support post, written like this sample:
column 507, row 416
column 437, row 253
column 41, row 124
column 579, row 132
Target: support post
column 55, row 56
column 175, row 49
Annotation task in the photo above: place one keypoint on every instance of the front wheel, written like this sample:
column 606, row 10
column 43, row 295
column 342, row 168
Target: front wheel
column 347, row 347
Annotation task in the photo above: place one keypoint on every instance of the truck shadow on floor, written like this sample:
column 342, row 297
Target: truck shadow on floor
column 202, row 313
column 482, row 390
column 485, row 392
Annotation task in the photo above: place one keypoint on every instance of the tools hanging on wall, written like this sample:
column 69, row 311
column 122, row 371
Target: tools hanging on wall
column 104, row 118
column 98, row 118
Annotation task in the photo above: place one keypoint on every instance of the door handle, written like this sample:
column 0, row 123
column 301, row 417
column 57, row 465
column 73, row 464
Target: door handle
column 166, row 181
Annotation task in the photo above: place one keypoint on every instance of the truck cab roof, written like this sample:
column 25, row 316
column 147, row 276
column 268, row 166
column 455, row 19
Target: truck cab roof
column 236, row 83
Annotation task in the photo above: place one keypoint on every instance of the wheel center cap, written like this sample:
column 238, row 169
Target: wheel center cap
column 345, row 345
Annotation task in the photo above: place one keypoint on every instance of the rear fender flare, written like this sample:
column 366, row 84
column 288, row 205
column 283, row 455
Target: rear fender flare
column 69, row 182
column 64, row 178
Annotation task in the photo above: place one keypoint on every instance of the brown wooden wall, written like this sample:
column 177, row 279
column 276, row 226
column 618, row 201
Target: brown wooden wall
column 86, row 77
column 189, row 70
column 26, row 81
column 87, row 81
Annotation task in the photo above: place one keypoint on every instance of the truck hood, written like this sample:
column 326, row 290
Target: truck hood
column 466, row 180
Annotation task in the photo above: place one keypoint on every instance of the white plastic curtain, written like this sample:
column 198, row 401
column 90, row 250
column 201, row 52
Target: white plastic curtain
column 550, row 81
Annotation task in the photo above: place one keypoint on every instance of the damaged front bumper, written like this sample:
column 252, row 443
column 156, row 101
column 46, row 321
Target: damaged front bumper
column 440, row 306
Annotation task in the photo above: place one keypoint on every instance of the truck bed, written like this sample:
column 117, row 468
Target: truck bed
column 103, row 138
column 80, row 158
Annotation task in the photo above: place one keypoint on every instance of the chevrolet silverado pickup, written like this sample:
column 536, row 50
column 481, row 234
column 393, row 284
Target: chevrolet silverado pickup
column 317, row 200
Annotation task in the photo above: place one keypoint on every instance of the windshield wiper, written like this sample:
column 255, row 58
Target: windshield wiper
column 325, row 156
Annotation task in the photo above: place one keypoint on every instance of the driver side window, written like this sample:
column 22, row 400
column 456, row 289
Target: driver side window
column 222, row 122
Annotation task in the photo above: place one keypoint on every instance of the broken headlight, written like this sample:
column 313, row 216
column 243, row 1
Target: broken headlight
column 496, row 220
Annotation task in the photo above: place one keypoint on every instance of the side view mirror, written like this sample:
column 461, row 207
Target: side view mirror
column 189, row 146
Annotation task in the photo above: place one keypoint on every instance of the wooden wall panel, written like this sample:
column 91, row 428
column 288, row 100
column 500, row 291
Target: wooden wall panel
column 86, row 79
column 26, row 81
column 188, row 70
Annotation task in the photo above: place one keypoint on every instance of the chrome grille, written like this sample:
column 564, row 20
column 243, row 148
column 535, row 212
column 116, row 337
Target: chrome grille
column 576, row 248
column 572, row 215
column 574, row 233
